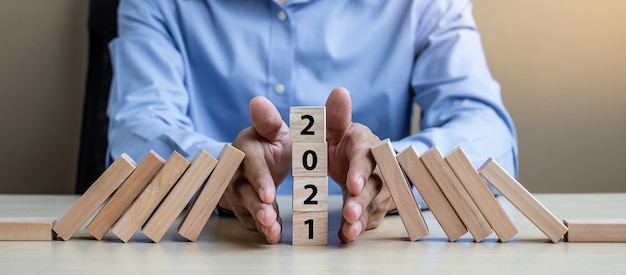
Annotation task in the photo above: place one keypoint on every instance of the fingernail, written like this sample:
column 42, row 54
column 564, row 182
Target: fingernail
column 259, row 216
column 358, row 210
column 261, row 192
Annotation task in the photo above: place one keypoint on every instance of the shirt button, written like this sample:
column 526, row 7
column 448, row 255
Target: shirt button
column 279, row 88
column 282, row 16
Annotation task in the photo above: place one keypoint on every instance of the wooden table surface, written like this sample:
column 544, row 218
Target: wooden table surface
column 226, row 247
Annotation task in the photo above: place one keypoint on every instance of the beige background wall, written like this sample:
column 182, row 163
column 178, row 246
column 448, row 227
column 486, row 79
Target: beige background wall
column 561, row 64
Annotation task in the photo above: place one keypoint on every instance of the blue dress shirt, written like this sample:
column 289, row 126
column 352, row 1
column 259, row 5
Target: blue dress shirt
column 185, row 71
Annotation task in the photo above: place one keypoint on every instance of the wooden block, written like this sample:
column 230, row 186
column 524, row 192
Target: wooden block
column 187, row 186
column 125, row 195
column 309, row 159
column 307, row 123
column 481, row 195
column 27, row 229
column 595, row 230
column 435, row 199
column 409, row 211
column 456, row 194
column 523, row 200
column 310, row 194
column 150, row 198
column 310, row 228
column 228, row 162
column 99, row 191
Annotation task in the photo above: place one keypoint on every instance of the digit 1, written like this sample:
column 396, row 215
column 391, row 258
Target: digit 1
column 309, row 222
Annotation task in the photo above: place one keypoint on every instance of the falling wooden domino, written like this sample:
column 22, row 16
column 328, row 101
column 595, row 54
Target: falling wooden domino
column 125, row 195
column 187, row 186
column 150, row 198
column 595, row 230
column 431, row 193
column 481, row 195
column 522, row 200
column 228, row 162
column 408, row 209
column 97, row 193
column 27, row 228
column 456, row 194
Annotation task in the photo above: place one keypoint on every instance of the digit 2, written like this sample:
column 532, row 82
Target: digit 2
column 307, row 130
column 310, row 200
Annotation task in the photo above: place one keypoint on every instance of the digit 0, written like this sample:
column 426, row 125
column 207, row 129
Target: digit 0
column 305, row 160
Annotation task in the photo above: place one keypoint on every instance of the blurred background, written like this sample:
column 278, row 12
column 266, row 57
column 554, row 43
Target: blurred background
column 561, row 65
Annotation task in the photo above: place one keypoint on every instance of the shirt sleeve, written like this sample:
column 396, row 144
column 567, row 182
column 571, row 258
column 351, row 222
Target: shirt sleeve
column 148, row 105
column 460, row 102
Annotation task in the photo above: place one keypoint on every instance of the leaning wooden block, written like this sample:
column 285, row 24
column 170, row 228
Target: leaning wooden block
column 228, row 162
column 310, row 228
column 456, row 194
column 523, row 200
column 125, row 195
column 309, row 159
column 431, row 193
column 150, row 198
column 161, row 220
column 310, row 194
column 409, row 211
column 595, row 230
column 99, row 191
column 482, row 196
column 307, row 123
column 26, row 229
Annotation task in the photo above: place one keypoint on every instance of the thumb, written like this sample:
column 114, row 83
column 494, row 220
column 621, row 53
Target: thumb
column 266, row 119
column 338, row 114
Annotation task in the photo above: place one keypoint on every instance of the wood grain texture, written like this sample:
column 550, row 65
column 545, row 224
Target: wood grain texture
column 595, row 230
column 409, row 211
column 525, row 202
column 228, row 162
column 456, row 194
column 313, row 155
column 201, row 166
column 150, row 198
column 481, row 195
column 437, row 202
column 300, row 119
column 125, row 195
column 27, row 228
column 99, row 191
column 303, row 188
column 302, row 222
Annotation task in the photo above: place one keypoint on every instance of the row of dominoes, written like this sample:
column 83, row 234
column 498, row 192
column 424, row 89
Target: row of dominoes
column 461, row 201
column 153, row 194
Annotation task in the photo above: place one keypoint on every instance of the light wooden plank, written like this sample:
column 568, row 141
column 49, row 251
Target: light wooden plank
column 310, row 228
column 228, row 162
column 27, row 228
column 310, row 194
column 150, row 198
column 481, row 195
column 307, row 124
column 157, row 225
column 595, row 230
column 125, row 195
column 443, row 212
column 456, row 194
column 525, row 202
column 409, row 211
column 97, row 193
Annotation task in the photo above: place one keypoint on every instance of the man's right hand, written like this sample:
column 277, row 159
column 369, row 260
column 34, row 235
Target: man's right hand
column 251, row 195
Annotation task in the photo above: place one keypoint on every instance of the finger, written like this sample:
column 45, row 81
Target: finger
column 360, row 157
column 258, row 174
column 266, row 120
column 338, row 114
column 264, row 216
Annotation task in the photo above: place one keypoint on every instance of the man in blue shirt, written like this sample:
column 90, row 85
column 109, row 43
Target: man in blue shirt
column 196, row 74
